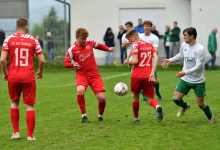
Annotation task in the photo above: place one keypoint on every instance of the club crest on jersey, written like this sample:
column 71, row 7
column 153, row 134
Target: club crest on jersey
column 87, row 47
column 83, row 57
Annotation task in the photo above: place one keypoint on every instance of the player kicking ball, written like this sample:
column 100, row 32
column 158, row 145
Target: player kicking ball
column 21, row 48
column 193, row 73
column 81, row 52
column 143, row 73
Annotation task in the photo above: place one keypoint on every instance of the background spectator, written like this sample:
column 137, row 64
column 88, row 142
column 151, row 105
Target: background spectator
column 167, row 41
column 175, row 39
column 139, row 28
column 40, row 41
column 212, row 47
column 2, row 37
column 154, row 31
column 109, row 41
column 123, row 51
column 50, row 46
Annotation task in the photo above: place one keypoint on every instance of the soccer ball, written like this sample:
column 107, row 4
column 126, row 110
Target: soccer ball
column 120, row 89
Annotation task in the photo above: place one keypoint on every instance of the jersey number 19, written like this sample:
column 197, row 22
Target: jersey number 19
column 21, row 56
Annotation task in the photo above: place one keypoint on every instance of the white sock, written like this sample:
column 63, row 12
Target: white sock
column 83, row 115
column 136, row 119
column 100, row 115
column 157, row 106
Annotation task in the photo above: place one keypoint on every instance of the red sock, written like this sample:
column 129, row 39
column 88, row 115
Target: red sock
column 15, row 119
column 154, row 103
column 102, row 107
column 81, row 102
column 30, row 119
column 135, row 108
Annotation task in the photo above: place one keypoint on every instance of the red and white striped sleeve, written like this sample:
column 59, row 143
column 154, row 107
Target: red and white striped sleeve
column 68, row 59
column 99, row 46
column 38, row 49
column 5, row 45
column 135, row 48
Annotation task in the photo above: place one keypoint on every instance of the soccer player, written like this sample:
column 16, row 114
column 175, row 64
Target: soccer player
column 81, row 52
column 149, row 37
column 21, row 48
column 143, row 73
column 193, row 73
column 126, row 43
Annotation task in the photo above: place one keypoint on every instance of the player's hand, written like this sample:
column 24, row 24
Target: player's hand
column 171, row 33
column 165, row 63
column 76, row 66
column 5, row 77
column 180, row 74
column 127, row 43
column 125, row 62
column 151, row 77
column 39, row 74
column 111, row 49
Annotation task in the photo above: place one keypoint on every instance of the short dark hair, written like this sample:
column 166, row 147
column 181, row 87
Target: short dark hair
column 148, row 22
column 129, row 23
column 22, row 23
column 140, row 19
column 175, row 22
column 131, row 33
column 191, row 31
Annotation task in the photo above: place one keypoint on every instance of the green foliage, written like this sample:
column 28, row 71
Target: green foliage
column 58, row 117
column 37, row 30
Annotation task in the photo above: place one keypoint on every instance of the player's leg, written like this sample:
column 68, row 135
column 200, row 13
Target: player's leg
column 135, row 105
column 81, row 85
column 111, row 57
column 29, row 96
column 102, row 102
column 15, row 89
column 157, row 87
column 149, row 93
column 136, row 86
column 99, row 90
column 200, row 93
column 182, row 89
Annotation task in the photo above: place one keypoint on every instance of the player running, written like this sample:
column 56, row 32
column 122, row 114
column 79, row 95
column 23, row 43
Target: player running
column 143, row 73
column 81, row 52
column 193, row 73
column 21, row 48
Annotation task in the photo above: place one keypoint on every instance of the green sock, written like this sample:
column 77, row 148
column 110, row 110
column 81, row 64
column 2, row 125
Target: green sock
column 207, row 111
column 180, row 102
column 144, row 97
column 156, row 87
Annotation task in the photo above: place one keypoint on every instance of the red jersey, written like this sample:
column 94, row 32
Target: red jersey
column 144, row 51
column 21, row 48
column 84, row 56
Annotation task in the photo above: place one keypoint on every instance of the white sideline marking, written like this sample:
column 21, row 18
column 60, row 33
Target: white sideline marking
column 124, row 74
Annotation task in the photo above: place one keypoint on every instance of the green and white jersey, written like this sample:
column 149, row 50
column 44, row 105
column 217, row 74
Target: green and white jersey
column 194, row 58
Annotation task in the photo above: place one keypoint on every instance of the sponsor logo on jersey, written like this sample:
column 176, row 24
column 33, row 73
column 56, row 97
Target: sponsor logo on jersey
column 77, row 51
column 189, row 59
column 87, row 47
column 83, row 57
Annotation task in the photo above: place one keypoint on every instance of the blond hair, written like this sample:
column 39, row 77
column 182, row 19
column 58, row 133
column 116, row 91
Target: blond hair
column 131, row 33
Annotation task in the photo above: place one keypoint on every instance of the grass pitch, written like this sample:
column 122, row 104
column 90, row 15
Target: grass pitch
column 58, row 118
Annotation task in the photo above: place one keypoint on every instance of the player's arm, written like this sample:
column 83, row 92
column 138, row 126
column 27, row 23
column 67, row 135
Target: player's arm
column 156, row 48
column 134, row 60
column 156, row 60
column 101, row 46
column 126, row 60
column 134, row 51
column 178, row 56
column 41, row 61
column 68, row 59
column 4, row 55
